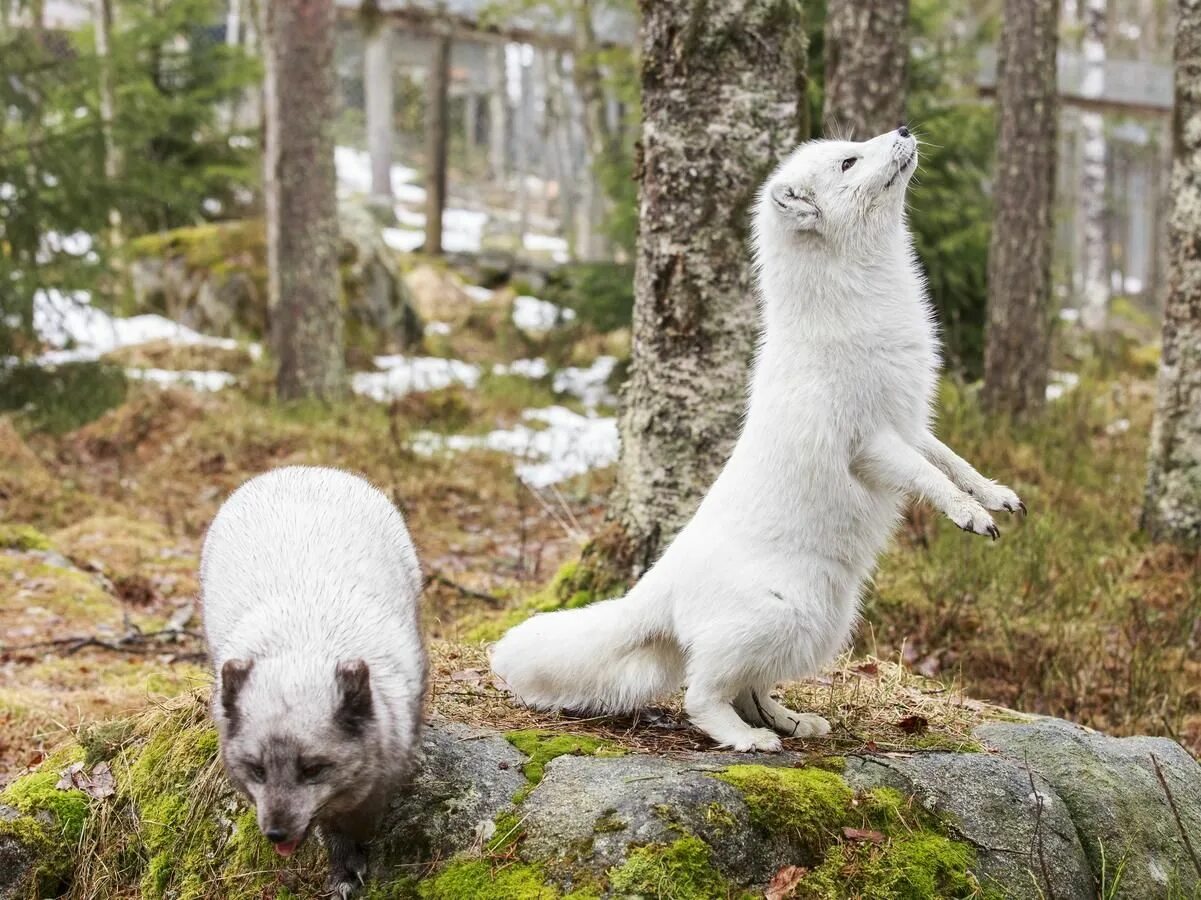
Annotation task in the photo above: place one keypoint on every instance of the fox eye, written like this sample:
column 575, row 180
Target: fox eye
column 314, row 771
column 256, row 772
column 849, row 161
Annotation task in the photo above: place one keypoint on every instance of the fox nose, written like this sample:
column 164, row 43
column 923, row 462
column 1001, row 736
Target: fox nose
column 902, row 130
column 276, row 835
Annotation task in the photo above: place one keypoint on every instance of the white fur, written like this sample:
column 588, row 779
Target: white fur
column 303, row 568
column 763, row 583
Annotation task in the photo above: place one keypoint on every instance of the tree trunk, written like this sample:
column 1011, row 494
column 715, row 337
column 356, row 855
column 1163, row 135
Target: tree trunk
column 720, row 107
column 102, row 24
column 377, row 87
column 1173, row 507
column 436, row 136
column 589, row 83
column 1016, row 353
column 867, row 52
column 499, row 116
column 1091, row 207
column 300, row 197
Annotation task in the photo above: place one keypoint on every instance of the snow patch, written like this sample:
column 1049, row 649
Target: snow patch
column 1061, row 383
column 405, row 374
column 590, row 385
column 196, row 380
column 569, row 444
column 532, row 314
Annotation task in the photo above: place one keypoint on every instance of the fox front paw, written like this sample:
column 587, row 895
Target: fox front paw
column 998, row 497
column 971, row 516
column 756, row 739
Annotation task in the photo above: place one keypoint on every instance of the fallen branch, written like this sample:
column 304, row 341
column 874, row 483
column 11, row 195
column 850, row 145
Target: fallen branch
column 439, row 578
column 135, row 642
column 1038, row 833
column 1167, row 792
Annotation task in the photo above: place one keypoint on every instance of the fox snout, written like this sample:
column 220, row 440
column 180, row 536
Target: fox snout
column 285, row 827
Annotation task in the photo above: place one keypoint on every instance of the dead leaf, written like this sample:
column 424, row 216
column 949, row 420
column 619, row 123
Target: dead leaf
column 914, row 724
column 98, row 783
column 784, row 883
column 868, row 668
column 863, row 835
column 468, row 676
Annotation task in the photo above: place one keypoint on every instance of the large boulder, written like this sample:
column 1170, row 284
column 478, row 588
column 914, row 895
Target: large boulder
column 1037, row 808
column 213, row 278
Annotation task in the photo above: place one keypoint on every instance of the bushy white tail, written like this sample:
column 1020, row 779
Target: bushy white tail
column 610, row 657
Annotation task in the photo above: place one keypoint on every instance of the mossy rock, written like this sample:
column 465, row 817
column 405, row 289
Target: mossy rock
column 549, row 814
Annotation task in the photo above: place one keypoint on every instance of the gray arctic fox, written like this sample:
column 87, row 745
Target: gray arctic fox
column 310, row 586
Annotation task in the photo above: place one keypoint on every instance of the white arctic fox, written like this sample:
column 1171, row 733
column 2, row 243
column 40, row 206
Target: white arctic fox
column 310, row 587
column 763, row 583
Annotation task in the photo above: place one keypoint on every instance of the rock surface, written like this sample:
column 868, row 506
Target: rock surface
column 1046, row 809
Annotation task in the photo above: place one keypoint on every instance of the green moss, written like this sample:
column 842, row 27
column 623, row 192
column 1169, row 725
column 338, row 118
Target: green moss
column 682, row 870
column 50, row 824
column 829, row 763
column 397, row 889
column 22, row 537
column 572, row 587
column 720, row 817
column 543, row 746
column 808, row 804
column 508, row 832
column 103, row 740
column 480, row 880
column 918, row 866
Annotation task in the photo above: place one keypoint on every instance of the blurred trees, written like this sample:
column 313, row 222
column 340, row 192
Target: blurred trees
column 180, row 164
column 1173, row 504
column 299, row 188
column 721, row 97
column 1017, row 351
column 866, row 55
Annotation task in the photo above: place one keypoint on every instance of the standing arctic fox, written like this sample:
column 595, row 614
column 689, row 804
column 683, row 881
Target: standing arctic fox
column 310, row 587
column 763, row 583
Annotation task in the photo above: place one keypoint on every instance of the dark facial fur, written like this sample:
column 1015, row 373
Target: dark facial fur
column 300, row 768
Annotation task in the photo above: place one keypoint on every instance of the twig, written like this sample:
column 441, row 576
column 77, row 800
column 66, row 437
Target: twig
column 439, row 578
column 132, row 642
column 1038, row 833
column 1167, row 792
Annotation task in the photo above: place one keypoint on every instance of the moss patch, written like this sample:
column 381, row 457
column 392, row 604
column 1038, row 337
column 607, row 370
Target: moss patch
column 50, row 824
column 543, row 746
column 920, row 866
column 682, row 870
column 22, row 537
column 481, row 880
column 808, row 804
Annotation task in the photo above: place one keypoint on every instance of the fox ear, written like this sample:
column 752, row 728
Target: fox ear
column 354, row 686
column 798, row 206
column 233, row 678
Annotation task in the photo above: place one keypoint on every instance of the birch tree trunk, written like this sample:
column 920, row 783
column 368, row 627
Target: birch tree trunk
column 499, row 115
column 300, row 197
column 436, row 141
column 102, row 26
column 378, row 100
column 1091, row 208
column 721, row 107
column 867, row 53
column 592, row 243
column 1173, row 505
column 1016, row 352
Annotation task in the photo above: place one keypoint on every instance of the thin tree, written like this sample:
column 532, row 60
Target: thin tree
column 437, row 139
column 378, row 103
column 102, row 27
column 299, row 188
column 1091, row 208
column 721, row 104
column 1017, row 337
column 1173, row 504
column 867, row 51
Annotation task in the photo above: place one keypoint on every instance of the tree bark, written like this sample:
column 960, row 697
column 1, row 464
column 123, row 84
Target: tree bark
column 867, row 53
column 378, row 100
column 720, row 107
column 1173, row 505
column 1092, row 207
column 436, row 138
column 499, row 114
column 1016, row 353
column 300, row 199
column 589, row 82
column 102, row 26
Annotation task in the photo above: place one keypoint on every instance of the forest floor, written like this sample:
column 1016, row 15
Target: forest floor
column 103, row 507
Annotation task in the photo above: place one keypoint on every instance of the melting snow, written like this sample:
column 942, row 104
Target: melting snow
column 569, row 444
column 529, row 368
column 478, row 294
column 405, row 374
column 79, row 331
column 1061, row 383
column 196, row 380
column 532, row 314
column 590, row 385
